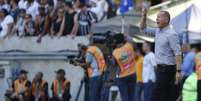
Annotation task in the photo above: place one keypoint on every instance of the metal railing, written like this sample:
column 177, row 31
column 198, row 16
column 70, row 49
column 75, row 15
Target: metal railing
column 28, row 55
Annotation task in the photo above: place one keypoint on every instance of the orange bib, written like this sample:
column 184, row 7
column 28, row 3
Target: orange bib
column 34, row 88
column 56, row 86
column 97, row 53
column 19, row 85
column 125, row 59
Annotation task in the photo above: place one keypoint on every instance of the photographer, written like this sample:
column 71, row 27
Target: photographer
column 124, row 57
column 39, row 88
column 21, row 89
column 94, row 66
column 61, row 87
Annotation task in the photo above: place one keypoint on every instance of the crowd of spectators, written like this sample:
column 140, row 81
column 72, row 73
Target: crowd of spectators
column 54, row 17
column 50, row 17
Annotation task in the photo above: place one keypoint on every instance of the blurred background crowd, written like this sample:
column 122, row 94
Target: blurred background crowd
column 56, row 17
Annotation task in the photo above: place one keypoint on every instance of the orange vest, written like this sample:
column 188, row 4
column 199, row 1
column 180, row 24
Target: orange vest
column 125, row 59
column 97, row 53
column 139, row 68
column 56, row 86
column 34, row 88
column 198, row 65
column 19, row 85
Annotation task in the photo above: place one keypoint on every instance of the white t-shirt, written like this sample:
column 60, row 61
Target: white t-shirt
column 33, row 9
column 4, row 24
column 5, row 6
column 101, row 7
column 148, row 68
column 30, row 9
column 22, row 4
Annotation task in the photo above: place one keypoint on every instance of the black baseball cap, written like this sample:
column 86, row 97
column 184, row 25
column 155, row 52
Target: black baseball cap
column 82, row 46
column 23, row 72
column 119, row 38
column 60, row 71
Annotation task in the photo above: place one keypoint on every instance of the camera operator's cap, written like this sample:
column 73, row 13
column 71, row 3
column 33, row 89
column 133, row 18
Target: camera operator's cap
column 23, row 72
column 81, row 46
column 60, row 71
column 119, row 38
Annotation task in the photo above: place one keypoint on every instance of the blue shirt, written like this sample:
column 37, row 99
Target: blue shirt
column 167, row 44
column 93, row 63
column 188, row 64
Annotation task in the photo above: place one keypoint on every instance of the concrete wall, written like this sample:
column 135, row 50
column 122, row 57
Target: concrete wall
column 47, row 44
column 46, row 66
column 3, row 81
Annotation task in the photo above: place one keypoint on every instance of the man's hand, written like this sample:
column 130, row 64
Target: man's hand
column 144, row 12
column 144, row 17
column 178, row 68
column 178, row 77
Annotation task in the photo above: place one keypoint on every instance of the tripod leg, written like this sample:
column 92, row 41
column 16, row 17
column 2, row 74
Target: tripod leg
column 79, row 90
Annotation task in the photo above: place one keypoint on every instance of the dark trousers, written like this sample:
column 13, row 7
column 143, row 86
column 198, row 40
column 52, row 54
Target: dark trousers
column 148, row 88
column 138, row 91
column 127, row 87
column 164, row 86
column 199, row 90
column 105, row 93
column 94, row 88
column 86, row 89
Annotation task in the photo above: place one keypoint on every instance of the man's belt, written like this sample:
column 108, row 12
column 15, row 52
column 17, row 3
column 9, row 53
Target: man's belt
column 165, row 65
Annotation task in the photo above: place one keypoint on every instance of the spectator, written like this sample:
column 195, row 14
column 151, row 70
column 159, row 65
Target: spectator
column 42, row 24
column 19, row 26
column 48, row 6
column 85, row 19
column 56, row 28
column 100, row 8
column 188, row 61
column 139, row 70
column 29, row 26
column 61, row 87
column 22, row 4
column 198, row 71
column 59, row 4
column 95, row 66
column 192, row 85
column 4, row 4
column 20, row 90
column 76, row 5
column 70, row 19
column 39, row 88
column 149, row 66
column 32, row 8
column 14, row 9
column 6, row 24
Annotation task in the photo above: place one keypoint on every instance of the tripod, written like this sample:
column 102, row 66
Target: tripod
column 85, row 82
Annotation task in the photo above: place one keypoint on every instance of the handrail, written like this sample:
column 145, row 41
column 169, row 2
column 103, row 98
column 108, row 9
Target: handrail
column 57, row 55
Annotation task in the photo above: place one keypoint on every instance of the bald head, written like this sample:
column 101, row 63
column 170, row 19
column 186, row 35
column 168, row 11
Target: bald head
column 167, row 15
column 163, row 19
